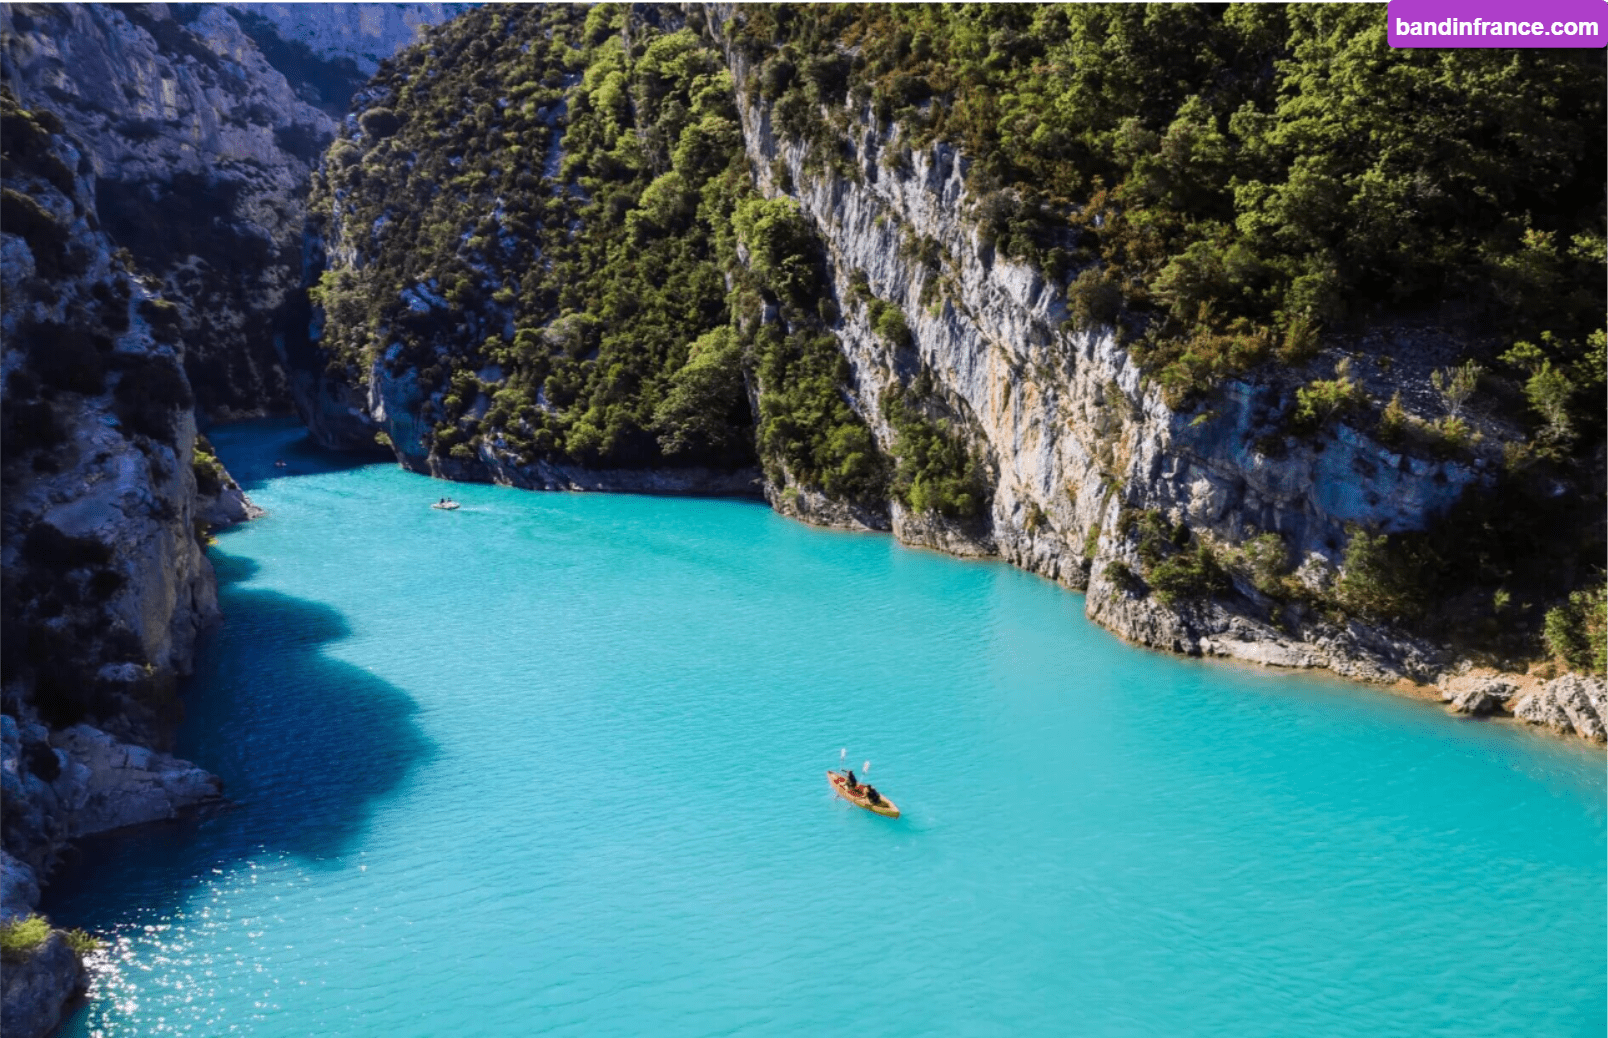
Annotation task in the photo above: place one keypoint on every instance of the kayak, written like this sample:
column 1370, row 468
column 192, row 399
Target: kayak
column 449, row 506
column 840, row 784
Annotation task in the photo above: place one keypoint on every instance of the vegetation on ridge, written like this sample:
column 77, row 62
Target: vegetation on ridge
column 545, row 217
column 1242, row 173
column 1221, row 185
column 530, row 190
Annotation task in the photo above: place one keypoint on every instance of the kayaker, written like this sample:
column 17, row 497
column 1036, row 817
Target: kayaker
column 871, row 795
column 852, row 784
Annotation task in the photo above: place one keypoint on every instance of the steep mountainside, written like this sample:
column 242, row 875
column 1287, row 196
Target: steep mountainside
column 201, row 149
column 107, row 500
column 329, row 51
column 1026, row 282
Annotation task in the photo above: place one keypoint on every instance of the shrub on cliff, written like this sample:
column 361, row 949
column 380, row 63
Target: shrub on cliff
column 935, row 470
column 379, row 122
column 1267, row 559
column 781, row 246
column 1191, row 574
column 1323, row 400
column 208, row 470
column 1577, row 631
column 888, row 322
column 20, row 938
column 805, row 425
column 81, row 942
column 1382, row 578
column 540, row 190
column 1094, row 300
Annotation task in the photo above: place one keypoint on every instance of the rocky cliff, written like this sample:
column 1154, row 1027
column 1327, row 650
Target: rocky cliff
column 105, row 581
column 202, row 123
column 329, row 51
column 905, row 366
column 1075, row 435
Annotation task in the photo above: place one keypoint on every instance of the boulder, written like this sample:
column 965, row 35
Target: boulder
column 1479, row 697
column 116, row 784
column 1575, row 703
column 35, row 988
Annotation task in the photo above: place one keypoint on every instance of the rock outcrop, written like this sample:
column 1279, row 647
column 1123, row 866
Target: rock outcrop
column 106, row 584
column 1480, row 696
column 56, row 787
column 36, row 988
column 34, row 985
column 1073, row 432
column 1575, row 703
column 202, row 148
column 113, row 785
column 321, row 48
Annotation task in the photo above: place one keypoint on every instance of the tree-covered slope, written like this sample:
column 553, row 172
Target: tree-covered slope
column 1254, row 192
column 666, row 238
column 1244, row 175
column 533, row 193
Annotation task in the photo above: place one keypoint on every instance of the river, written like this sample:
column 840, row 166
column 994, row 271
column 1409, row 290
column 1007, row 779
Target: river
column 553, row 764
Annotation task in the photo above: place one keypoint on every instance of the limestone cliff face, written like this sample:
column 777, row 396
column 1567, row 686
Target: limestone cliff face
column 1074, row 439
column 202, row 148
column 304, row 36
column 100, row 534
column 1072, row 431
column 105, row 581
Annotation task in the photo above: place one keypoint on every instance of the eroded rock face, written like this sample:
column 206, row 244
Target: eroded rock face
column 1073, row 432
column 101, row 559
column 199, row 149
column 335, row 35
column 1575, row 703
column 202, row 149
column 1479, row 696
column 34, row 990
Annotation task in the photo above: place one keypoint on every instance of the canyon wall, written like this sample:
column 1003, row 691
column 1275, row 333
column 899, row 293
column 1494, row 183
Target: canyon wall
column 202, row 146
column 1214, row 522
column 1075, row 434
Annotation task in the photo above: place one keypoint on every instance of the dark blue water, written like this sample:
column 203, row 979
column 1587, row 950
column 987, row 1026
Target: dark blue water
column 553, row 765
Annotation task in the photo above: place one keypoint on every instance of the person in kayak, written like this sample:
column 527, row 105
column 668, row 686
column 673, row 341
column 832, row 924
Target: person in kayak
column 853, row 785
column 871, row 795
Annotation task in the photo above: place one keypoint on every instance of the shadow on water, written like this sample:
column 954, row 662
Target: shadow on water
column 252, row 449
column 308, row 746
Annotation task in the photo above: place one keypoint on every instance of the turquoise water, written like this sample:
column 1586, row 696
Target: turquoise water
column 553, row 765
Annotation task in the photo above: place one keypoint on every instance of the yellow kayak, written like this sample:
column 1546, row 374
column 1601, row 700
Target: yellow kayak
column 857, row 797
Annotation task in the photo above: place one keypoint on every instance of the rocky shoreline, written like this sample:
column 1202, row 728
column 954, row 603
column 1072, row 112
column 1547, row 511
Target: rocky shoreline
column 1568, row 704
column 1074, row 437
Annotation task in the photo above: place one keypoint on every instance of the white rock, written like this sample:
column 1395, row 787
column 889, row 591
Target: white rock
column 1572, row 703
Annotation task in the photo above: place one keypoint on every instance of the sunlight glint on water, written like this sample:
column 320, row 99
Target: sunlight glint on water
column 553, row 764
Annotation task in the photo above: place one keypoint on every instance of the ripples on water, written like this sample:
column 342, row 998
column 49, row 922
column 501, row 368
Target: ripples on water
column 553, row 764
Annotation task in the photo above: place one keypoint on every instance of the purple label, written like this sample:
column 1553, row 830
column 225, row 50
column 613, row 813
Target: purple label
column 1498, row 23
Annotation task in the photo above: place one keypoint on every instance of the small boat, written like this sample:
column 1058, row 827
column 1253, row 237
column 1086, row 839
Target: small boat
column 445, row 506
column 840, row 784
